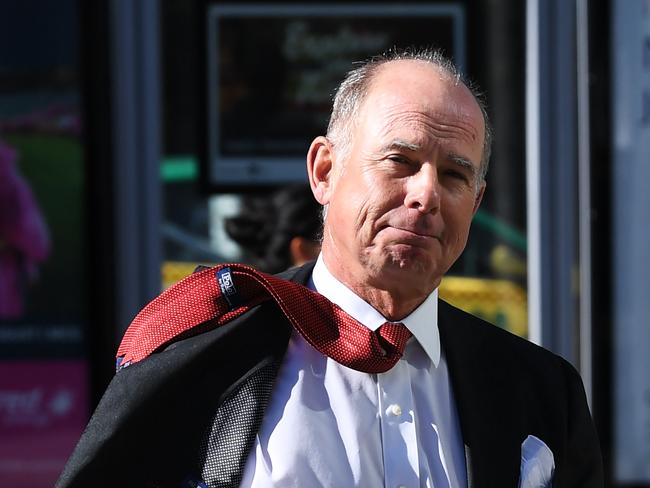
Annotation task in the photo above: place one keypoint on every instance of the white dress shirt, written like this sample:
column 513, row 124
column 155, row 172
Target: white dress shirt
column 327, row 425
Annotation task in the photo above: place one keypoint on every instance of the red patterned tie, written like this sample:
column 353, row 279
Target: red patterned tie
column 217, row 295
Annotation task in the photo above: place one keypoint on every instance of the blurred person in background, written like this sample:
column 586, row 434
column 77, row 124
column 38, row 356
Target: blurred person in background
column 280, row 230
column 24, row 237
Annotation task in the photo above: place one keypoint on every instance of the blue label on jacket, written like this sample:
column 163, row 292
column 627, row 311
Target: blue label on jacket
column 227, row 285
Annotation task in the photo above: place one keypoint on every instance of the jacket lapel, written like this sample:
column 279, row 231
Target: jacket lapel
column 481, row 391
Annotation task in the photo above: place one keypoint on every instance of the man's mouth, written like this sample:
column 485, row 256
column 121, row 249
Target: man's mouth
column 407, row 233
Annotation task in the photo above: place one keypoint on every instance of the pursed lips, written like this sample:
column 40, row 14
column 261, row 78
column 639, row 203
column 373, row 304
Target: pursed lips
column 415, row 233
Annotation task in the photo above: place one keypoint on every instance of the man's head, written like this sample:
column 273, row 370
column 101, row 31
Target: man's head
column 402, row 173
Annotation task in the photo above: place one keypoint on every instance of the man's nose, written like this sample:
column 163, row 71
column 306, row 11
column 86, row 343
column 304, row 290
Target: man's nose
column 423, row 190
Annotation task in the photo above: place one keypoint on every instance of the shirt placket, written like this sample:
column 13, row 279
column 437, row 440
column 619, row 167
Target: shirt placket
column 398, row 429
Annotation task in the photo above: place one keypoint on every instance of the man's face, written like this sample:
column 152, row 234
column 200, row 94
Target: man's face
column 401, row 202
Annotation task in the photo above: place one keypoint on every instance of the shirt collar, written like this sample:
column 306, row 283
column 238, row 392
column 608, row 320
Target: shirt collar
column 422, row 322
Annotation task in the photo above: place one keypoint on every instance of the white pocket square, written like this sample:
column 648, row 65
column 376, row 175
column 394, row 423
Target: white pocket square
column 537, row 464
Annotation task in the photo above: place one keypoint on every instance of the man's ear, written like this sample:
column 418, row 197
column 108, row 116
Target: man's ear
column 479, row 197
column 320, row 169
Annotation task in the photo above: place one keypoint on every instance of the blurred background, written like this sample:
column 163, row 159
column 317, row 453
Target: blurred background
column 135, row 136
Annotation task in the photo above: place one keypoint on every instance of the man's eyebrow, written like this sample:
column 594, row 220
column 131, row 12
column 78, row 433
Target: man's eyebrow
column 400, row 144
column 464, row 162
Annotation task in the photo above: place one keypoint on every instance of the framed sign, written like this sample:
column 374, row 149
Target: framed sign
column 271, row 71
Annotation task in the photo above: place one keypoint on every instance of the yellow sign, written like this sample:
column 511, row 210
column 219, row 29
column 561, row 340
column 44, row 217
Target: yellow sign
column 500, row 302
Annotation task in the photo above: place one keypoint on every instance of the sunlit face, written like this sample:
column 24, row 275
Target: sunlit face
column 401, row 201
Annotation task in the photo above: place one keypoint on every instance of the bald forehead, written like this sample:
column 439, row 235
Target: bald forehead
column 422, row 103
column 404, row 72
column 438, row 82
column 397, row 65
column 412, row 78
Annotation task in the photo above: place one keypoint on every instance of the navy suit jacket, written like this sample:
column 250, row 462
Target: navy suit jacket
column 149, row 424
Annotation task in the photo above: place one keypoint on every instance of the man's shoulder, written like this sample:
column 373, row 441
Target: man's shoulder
column 476, row 334
column 264, row 315
column 499, row 357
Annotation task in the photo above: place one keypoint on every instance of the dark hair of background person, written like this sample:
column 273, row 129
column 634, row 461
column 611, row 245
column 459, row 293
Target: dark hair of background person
column 279, row 230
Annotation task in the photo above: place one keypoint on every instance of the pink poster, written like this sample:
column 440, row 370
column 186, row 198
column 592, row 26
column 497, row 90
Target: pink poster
column 43, row 410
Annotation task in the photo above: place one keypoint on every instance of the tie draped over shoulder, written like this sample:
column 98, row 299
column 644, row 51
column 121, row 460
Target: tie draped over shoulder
column 215, row 296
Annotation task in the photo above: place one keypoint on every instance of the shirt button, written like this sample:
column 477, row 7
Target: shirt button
column 395, row 410
column 401, row 486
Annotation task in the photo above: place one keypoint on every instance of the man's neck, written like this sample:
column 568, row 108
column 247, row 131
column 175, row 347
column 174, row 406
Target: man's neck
column 394, row 302
column 394, row 308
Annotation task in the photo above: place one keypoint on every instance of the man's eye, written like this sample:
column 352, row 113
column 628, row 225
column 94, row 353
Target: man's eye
column 398, row 158
column 456, row 174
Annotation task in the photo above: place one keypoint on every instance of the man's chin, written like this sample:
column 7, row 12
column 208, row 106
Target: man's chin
column 408, row 256
column 411, row 263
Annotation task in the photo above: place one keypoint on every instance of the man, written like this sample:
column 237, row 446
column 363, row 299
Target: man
column 254, row 403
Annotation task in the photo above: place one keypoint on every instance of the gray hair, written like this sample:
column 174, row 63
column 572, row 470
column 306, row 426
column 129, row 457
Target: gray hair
column 353, row 90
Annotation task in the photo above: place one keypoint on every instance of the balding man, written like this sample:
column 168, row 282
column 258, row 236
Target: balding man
column 284, row 391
